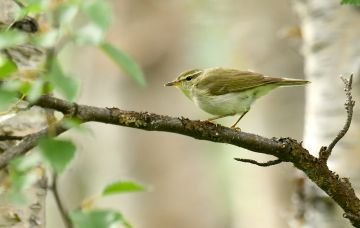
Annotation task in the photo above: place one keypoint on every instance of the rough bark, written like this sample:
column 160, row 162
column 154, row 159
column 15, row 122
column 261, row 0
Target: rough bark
column 285, row 149
column 32, row 213
column 331, row 48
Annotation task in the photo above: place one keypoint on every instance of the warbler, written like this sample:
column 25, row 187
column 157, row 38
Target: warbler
column 226, row 92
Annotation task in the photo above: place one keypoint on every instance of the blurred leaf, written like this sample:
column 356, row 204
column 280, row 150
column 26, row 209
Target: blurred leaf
column 58, row 153
column 7, row 67
column 20, row 182
column 25, row 163
column 97, row 218
column 122, row 187
column 67, row 85
column 125, row 62
column 76, row 124
column 353, row 2
column 34, row 6
column 7, row 97
column 11, row 38
column 90, row 34
column 99, row 12
column 22, row 177
column 35, row 90
column 72, row 123
column 17, row 85
column 67, row 13
column 47, row 39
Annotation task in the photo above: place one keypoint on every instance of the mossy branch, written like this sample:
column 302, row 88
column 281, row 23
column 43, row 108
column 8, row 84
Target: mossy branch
column 284, row 149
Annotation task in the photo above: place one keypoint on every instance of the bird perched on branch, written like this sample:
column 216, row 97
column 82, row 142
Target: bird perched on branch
column 226, row 92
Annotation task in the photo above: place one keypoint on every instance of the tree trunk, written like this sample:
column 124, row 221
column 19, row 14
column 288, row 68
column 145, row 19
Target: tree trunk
column 32, row 213
column 331, row 49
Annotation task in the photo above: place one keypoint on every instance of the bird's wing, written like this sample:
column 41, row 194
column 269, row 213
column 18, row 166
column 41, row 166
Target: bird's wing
column 221, row 81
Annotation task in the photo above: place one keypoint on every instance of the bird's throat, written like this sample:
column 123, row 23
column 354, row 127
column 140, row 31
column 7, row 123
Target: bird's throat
column 187, row 92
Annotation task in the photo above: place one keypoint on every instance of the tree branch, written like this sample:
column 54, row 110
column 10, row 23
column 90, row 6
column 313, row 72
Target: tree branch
column 62, row 210
column 29, row 142
column 10, row 137
column 261, row 164
column 285, row 149
column 349, row 107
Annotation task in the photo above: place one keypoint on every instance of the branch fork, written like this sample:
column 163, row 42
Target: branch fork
column 284, row 149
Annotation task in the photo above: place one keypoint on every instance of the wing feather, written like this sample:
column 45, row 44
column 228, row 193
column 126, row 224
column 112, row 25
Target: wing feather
column 220, row 81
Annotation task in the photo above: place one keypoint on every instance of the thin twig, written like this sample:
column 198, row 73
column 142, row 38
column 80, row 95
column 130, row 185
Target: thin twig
column 299, row 200
column 29, row 142
column 262, row 164
column 349, row 106
column 62, row 210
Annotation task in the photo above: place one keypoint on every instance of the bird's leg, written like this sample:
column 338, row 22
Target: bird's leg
column 219, row 117
column 242, row 115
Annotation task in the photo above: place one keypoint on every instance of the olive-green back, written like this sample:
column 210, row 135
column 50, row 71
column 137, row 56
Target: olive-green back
column 220, row 81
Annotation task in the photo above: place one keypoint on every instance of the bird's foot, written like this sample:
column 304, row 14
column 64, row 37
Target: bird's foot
column 235, row 128
column 210, row 121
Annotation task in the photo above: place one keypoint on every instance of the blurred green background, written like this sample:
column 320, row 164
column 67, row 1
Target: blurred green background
column 193, row 183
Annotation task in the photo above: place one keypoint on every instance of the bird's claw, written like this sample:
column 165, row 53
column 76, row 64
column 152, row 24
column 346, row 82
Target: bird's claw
column 235, row 128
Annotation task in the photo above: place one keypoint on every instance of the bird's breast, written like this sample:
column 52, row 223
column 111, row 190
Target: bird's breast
column 231, row 103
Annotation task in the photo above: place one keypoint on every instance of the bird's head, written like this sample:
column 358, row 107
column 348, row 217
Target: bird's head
column 186, row 80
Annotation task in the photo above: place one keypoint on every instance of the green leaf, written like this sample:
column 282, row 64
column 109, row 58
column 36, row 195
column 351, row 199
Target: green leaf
column 103, row 218
column 25, row 163
column 353, row 2
column 22, row 176
column 123, row 187
column 7, row 98
column 35, row 90
column 99, row 12
column 47, row 39
column 58, row 153
column 34, row 6
column 7, row 67
column 11, row 38
column 66, row 85
column 67, row 13
column 72, row 123
column 125, row 62
column 89, row 34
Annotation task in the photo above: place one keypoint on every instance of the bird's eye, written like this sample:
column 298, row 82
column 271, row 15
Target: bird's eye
column 188, row 78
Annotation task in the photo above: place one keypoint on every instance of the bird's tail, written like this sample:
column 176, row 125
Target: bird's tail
column 292, row 82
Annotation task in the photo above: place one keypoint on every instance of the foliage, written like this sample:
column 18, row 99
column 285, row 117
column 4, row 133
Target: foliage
column 122, row 187
column 39, row 47
column 58, row 153
column 124, row 61
column 66, row 30
column 88, row 216
column 99, row 218
column 24, row 172
column 353, row 2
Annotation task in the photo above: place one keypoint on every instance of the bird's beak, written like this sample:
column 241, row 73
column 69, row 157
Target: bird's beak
column 173, row 83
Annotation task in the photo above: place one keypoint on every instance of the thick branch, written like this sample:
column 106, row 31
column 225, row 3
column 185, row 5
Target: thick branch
column 285, row 149
column 153, row 122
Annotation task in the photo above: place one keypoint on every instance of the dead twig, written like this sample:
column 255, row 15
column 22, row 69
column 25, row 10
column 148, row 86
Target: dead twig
column 62, row 210
column 325, row 152
column 262, row 164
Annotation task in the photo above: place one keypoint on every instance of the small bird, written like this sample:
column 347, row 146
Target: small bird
column 226, row 92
